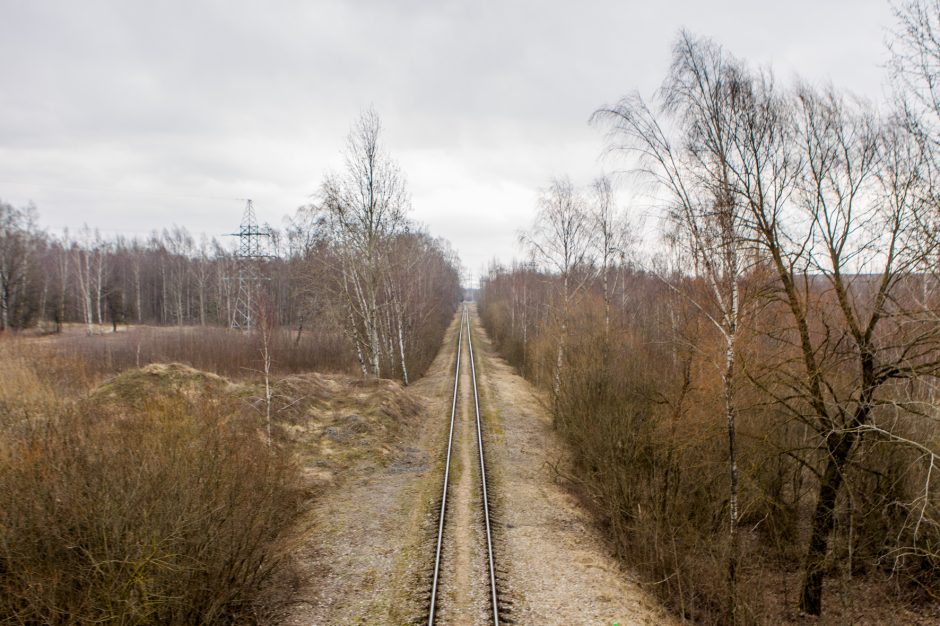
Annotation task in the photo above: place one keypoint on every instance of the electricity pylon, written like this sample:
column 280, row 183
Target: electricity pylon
column 252, row 250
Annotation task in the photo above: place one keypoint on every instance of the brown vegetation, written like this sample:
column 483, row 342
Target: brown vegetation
column 212, row 349
column 760, row 405
column 137, row 492
column 643, row 413
column 152, row 495
column 152, row 500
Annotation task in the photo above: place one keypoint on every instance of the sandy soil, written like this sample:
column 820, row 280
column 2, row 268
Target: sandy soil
column 557, row 568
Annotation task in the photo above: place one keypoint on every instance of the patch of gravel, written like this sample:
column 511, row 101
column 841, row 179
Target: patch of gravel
column 352, row 561
column 558, row 569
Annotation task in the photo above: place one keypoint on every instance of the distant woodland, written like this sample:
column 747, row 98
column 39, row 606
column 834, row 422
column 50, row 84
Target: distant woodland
column 351, row 262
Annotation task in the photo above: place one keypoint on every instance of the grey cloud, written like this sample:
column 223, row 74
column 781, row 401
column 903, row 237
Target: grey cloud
column 229, row 99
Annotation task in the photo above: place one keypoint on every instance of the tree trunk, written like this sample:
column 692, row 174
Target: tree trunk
column 730, row 410
column 840, row 446
column 376, row 345
column 728, row 380
column 84, row 287
column 43, row 298
column 560, row 354
column 99, row 278
column 300, row 329
column 400, row 328
column 559, row 365
column 525, row 322
column 163, row 292
column 202, row 305
column 63, row 285
column 401, row 351
column 4, row 308
column 140, row 312
column 606, row 303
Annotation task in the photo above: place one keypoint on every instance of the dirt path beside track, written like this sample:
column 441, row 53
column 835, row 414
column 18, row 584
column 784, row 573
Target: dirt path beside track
column 366, row 555
column 558, row 568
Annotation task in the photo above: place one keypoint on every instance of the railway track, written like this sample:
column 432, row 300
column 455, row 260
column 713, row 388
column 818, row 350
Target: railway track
column 494, row 617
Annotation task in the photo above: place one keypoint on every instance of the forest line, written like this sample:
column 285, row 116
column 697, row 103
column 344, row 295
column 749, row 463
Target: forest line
column 349, row 263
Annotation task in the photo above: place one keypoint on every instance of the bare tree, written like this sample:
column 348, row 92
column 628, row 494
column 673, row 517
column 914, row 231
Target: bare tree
column 62, row 269
column 860, row 191
column 356, row 265
column 202, row 275
column 16, row 235
column 84, row 253
column 363, row 207
column 610, row 231
column 701, row 95
column 179, row 246
column 560, row 240
column 266, row 328
column 915, row 65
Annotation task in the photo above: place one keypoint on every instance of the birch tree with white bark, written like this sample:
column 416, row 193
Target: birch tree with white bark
column 364, row 206
column 560, row 240
column 609, row 237
column 694, row 158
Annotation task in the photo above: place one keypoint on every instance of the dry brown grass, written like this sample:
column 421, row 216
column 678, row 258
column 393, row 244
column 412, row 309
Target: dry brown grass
column 335, row 422
column 209, row 348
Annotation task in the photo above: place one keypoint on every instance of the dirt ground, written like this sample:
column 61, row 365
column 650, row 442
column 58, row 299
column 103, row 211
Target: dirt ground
column 368, row 555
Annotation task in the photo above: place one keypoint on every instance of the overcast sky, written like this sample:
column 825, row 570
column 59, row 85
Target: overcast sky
column 131, row 116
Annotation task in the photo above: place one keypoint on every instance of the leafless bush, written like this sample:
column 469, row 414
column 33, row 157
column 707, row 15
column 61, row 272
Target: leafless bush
column 643, row 410
column 175, row 513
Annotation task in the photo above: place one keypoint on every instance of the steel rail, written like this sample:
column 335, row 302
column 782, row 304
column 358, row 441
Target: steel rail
column 486, row 500
column 450, row 447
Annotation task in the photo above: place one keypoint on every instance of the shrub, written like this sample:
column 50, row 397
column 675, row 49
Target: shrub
column 172, row 513
column 641, row 409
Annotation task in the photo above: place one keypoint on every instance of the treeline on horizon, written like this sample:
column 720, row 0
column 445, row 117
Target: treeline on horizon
column 752, row 411
column 341, row 266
